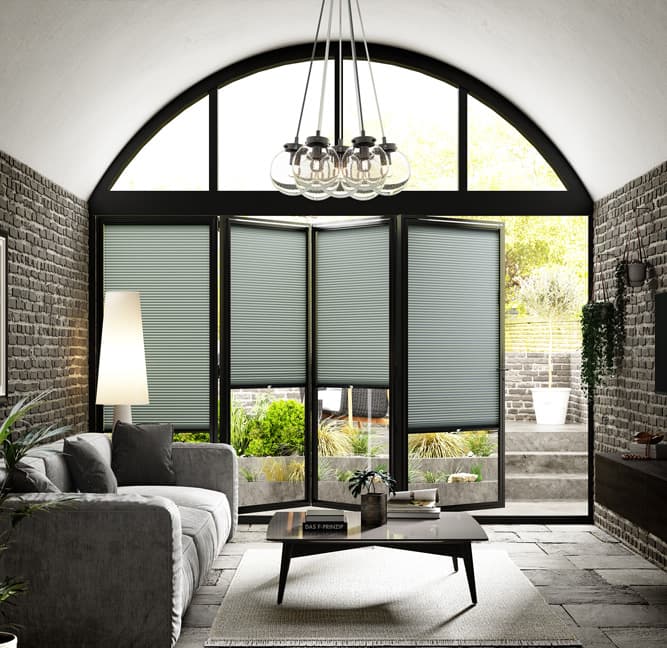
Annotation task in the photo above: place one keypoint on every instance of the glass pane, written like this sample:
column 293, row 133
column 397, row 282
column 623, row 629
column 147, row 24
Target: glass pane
column 175, row 158
column 462, row 466
column 420, row 115
column 352, row 434
column 500, row 158
column 267, row 432
column 258, row 114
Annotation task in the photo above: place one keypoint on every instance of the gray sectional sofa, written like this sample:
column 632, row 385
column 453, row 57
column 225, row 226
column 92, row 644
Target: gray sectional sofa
column 119, row 570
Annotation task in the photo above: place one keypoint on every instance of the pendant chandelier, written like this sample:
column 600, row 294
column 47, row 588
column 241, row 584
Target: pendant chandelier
column 318, row 170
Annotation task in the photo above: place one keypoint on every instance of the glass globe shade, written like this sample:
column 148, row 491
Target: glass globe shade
column 399, row 173
column 282, row 177
column 364, row 166
column 315, row 168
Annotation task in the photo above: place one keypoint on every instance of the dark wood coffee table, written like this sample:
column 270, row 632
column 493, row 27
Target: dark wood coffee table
column 450, row 535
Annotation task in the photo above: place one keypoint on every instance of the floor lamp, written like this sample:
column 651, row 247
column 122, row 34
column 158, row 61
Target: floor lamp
column 121, row 378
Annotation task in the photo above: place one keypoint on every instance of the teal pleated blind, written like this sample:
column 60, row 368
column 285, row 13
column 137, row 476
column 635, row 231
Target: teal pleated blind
column 353, row 306
column 169, row 266
column 268, row 306
column 453, row 326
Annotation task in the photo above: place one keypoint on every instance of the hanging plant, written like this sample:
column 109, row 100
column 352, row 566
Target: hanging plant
column 597, row 344
column 620, row 303
column 635, row 269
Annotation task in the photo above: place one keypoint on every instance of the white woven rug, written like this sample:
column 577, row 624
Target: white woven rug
column 384, row 597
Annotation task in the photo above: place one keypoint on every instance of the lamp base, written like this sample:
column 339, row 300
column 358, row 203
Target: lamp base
column 122, row 413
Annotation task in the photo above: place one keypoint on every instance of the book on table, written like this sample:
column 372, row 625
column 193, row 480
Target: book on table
column 324, row 521
column 414, row 504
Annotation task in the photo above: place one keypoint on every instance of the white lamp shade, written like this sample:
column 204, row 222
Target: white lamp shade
column 121, row 378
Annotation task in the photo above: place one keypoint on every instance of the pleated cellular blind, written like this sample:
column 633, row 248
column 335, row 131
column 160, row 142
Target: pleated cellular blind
column 453, row 327
column 268, row 306
column 169, row 266
column 353, row 306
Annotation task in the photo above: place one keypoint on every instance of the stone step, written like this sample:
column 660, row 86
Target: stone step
column 546, row 486
column 544, row 438
column 546, row 462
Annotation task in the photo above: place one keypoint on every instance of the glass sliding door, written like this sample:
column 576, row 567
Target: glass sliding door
column 351, row 334
column 454, row 360
column 266, row 360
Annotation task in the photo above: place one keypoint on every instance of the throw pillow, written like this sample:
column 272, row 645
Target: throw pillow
column 90, row 473
column 141, row 454
column 27, row 479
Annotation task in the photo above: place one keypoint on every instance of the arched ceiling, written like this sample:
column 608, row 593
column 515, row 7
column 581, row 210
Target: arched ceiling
column 79, row 78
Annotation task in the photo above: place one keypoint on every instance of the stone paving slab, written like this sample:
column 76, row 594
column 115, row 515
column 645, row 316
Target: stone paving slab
column 562, row 537
column 200, row 616
column 564, row 594
column 227, row 562
column 574, row 528
column 562, row 614
column 604, row 536
column 656, row 594
column 212, row 593
column 249, row 536
column 591, row 638
column 653, row 576
column 637, row 637
column 586, row 549
column 604, row 615
column 541, row 561
column 192, row 637
column 564, row 577
column 509, row 547
column 516, row 528
column 611, row 562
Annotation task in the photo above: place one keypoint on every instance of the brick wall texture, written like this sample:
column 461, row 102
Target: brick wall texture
column 527, row 370
column 47, row 289
column 627, row 403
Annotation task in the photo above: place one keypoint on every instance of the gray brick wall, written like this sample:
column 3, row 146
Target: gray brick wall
column 528, row 370
column 47, row 309
column 627, row 403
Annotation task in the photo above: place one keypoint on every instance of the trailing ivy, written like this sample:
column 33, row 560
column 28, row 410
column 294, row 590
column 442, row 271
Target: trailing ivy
column 598, row 321
column 619, row 306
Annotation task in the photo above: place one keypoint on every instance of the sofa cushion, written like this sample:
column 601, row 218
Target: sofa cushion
column 90, row 472
column 200, row 498
column 189, row 571
column 52, row 462
column 28, row 479
column 199, row 526
column 141, row 454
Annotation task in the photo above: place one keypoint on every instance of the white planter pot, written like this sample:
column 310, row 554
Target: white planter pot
column 550, row 405
column 8, row 640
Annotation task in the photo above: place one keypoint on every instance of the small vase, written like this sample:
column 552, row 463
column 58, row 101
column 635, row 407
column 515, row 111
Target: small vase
column 8, row 640
column 373, row 510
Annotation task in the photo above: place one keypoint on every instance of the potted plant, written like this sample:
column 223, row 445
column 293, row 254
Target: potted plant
column 373, row 503
column 635, row 268
column 13, row 447
column 551, row 293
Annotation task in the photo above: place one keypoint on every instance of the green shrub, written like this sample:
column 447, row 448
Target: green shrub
column 359, row 442
column 478, row 443
column 277, row 470
column 249, row 475
column 238, row 427
column 280, row 431
column 332, row 440
column 432, row 477
column 344, row 475
column 192, row 437
column 477, row 470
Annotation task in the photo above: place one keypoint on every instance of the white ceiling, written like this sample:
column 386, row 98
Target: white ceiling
column 79, row 77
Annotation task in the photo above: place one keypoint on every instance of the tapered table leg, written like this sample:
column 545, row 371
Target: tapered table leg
column 455, row 562
column 470, row 571
column 284, row 568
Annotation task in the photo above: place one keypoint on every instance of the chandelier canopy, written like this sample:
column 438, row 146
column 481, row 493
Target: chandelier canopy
column 318, row 170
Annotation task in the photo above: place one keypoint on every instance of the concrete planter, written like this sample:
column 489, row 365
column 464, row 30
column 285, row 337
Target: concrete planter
column 267, row 492
column 550, row 405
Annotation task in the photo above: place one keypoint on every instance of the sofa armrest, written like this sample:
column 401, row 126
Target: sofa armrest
column 101, row 570
column 209, row 465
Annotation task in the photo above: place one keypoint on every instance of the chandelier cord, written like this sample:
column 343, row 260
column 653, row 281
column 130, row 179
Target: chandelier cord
column 326, row 65
column 340, row 72
column 356, row 70
column 310, row 69
column 370, row 70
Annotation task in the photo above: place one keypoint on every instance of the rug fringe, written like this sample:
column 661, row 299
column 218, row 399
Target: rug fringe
column 324, row 643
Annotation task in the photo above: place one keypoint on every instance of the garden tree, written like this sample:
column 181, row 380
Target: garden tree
column 551, row 293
